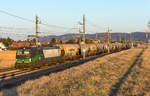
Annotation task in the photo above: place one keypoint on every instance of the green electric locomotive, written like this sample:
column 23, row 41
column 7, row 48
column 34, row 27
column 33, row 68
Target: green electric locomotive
column 36, row 56
column 26, row 55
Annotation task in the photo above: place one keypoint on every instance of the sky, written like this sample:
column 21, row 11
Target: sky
column 118, row 15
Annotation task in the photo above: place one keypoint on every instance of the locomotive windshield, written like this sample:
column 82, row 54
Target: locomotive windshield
column 23, row 51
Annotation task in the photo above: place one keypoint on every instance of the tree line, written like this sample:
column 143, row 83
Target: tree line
column 6, row 41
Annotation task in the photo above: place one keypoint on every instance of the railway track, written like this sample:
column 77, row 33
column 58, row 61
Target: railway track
column 10, row 72
column 13, row 77
column 6, row 69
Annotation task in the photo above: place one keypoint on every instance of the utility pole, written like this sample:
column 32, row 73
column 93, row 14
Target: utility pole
column 120, row 39
column 84, row 47
column 79, row 35
column 84, row 28
column 36, row 22
column 146, row 33
column 108, row 36
column 130, row 37
column 125, row 39
column 125, row 36
column 131, row 40
column 96, row 35
column 74, row 37
column 108, row 39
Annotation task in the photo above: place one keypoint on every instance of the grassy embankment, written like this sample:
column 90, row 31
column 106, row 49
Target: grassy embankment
column 7, row 59
column 138, row 82
column 93, row 78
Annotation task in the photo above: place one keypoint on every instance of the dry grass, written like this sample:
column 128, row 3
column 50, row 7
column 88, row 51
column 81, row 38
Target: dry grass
column 94, row 78
column 138, row 82
column 7, row 59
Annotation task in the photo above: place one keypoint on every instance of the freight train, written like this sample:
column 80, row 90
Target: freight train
column 35, row 56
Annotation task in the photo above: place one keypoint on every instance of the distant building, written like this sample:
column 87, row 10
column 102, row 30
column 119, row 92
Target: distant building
column 2, row 46
column 21, row 44
column 65, row 41
column 25, row 43
column 43, row 43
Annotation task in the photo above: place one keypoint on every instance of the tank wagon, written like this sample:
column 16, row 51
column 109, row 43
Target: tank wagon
column 89, row 49
column 33, row 56
column 69, row 50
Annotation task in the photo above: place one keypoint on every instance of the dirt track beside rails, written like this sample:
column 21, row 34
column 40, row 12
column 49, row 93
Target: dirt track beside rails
column 93, row 78
column 7, row 59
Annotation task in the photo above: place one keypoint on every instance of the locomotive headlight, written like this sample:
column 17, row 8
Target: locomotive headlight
column 30, row 59
column 84, row 50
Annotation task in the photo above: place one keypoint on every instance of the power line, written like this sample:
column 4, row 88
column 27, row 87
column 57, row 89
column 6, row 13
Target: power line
column 94, row 25
column 25, row 19
column 15, row 33
column 48, row 25
column 51, row 25
column 22, row 18
column 13, row 28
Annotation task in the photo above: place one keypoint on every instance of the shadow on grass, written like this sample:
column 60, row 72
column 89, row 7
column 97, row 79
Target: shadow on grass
column 116, row 87
column 12, row 92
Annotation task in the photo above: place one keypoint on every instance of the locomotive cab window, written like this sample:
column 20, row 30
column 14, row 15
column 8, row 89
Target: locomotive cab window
column 23, row 51
column 26, row 52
